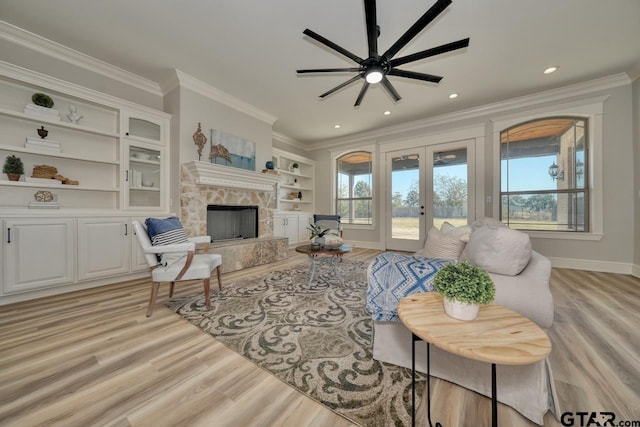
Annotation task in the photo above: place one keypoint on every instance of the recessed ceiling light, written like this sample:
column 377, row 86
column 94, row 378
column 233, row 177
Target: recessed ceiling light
column 550, row 70
column 336, row 126
column 453, row 95
column 386, row 113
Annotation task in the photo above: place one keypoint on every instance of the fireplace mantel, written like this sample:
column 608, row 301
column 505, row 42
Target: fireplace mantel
column 224, row 176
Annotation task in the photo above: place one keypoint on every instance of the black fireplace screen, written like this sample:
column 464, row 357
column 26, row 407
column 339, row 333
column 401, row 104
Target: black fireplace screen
column 225, row 222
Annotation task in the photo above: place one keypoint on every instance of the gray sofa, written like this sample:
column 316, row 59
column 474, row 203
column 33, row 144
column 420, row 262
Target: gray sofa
column 528, row 389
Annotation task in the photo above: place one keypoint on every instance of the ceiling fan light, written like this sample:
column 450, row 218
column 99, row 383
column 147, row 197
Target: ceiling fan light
column 374, row 75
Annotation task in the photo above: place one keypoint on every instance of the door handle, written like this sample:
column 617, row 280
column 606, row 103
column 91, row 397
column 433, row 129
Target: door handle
column 126, row 230
column 126, row 174
column 8, row 234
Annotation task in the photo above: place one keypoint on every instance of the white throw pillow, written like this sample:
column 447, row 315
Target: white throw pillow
column 499, row 250
column 462, row 233
column 491, row 222
column 439, row 245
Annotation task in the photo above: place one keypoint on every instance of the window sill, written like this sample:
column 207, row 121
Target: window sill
column 563, row 235
column 357, row 227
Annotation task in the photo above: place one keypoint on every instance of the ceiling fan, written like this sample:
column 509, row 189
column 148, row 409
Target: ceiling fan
column 375, row 68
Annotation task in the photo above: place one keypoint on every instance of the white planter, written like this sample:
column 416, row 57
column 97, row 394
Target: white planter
column 461, row 310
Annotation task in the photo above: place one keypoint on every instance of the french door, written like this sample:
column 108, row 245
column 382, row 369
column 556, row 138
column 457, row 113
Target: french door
column 427, row 186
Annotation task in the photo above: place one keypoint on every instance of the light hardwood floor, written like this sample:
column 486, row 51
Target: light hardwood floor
column 92, row 358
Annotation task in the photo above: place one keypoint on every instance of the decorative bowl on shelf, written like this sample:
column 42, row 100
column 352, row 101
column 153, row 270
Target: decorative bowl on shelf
column 147, row 183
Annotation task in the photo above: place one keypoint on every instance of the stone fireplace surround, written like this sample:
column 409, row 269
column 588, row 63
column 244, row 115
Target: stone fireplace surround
column 204, row 183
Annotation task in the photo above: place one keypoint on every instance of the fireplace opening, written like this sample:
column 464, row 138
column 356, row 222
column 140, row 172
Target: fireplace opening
column 227, row 222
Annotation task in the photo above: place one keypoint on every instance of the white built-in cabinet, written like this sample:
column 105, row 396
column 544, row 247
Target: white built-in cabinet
column 117, row 154
column 38, row 253
column 292, row 226
column 295, row 188
column 103, row 247
column 295, row 201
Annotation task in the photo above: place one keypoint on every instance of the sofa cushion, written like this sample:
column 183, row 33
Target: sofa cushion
column 462, row 233
column 491, row 222
column 166, row 231
column 499, row 250
column 439, row 245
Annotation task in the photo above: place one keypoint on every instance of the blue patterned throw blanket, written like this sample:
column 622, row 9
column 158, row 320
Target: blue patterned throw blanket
column 394, row 276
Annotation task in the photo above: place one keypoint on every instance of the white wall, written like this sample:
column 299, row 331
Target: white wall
column 189, row 108
column 615, row 251
column 636, row 156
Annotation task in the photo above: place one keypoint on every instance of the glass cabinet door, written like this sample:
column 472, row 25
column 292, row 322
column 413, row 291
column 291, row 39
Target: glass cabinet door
column 143, row 176
column 143, row 129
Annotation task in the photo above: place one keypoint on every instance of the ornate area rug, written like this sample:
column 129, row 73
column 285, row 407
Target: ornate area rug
column 317, row 338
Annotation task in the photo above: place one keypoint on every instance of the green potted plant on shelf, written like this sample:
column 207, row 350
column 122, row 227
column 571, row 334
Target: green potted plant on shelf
column 464, row 287
column 13, row 167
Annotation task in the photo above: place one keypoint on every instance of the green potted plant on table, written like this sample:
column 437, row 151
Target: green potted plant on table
column 316, row 234
column 13, row 167
column 464, row 287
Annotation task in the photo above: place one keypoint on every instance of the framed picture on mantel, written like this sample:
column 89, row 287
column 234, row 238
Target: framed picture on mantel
column 232, row 150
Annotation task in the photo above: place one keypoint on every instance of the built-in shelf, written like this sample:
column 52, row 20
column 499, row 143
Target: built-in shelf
column 284, row 172
column 148, row 162
column 58, row 186
column 59, row 155
column 145, row 188
column 293, row 187
column 295, row 201
column 42, row 119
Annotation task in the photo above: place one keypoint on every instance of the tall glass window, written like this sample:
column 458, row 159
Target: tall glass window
column 354, row 202
column 544, row 175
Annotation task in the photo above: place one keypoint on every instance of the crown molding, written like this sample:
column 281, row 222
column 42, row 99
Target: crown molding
column 280, row 137
column 55, row 84
column 58, row 51
column 182, row 79
column 551, row 95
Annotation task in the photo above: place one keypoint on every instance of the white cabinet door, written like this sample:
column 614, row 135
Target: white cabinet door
column 286, row 225
column 143, row 176
column 38, row 253
column 144, row 127
column 103, row 247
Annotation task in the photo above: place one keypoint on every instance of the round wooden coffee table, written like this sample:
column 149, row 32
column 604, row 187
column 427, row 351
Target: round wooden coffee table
column 497, row 336
column 333, row 255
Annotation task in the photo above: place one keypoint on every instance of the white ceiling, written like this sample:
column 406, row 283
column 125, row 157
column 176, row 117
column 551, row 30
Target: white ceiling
column 251, row 49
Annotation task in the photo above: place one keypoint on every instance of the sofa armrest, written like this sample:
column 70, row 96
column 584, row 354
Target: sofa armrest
column 528, row 293
column 199, row 239
column 164, row 249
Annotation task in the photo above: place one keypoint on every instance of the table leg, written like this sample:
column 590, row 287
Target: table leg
column 494, row 397
column 336, row 270
column 312, row 268
column 413, row 380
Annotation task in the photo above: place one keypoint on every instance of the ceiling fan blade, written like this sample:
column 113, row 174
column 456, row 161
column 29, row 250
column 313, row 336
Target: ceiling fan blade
column 332, row 45
column 365, row 86
column 414, row 75
column 389, row 87
column 328, row 70
column 372, row 28
column 422, row 22
column 340, row 86
column 430, row 52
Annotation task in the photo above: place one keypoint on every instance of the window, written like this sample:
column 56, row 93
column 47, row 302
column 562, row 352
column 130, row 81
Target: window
column 544, row 175
column 354, row 188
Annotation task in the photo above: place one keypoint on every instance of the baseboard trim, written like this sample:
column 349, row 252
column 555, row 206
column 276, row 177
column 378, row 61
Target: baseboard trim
column 635, row 270
column 595, row 265
column 365, row 245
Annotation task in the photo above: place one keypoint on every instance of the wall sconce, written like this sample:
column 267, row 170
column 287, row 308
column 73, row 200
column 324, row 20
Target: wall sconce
column 555, row 173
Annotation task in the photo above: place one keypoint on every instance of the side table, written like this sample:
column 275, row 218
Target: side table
column 334, row 255
column 497, row 336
